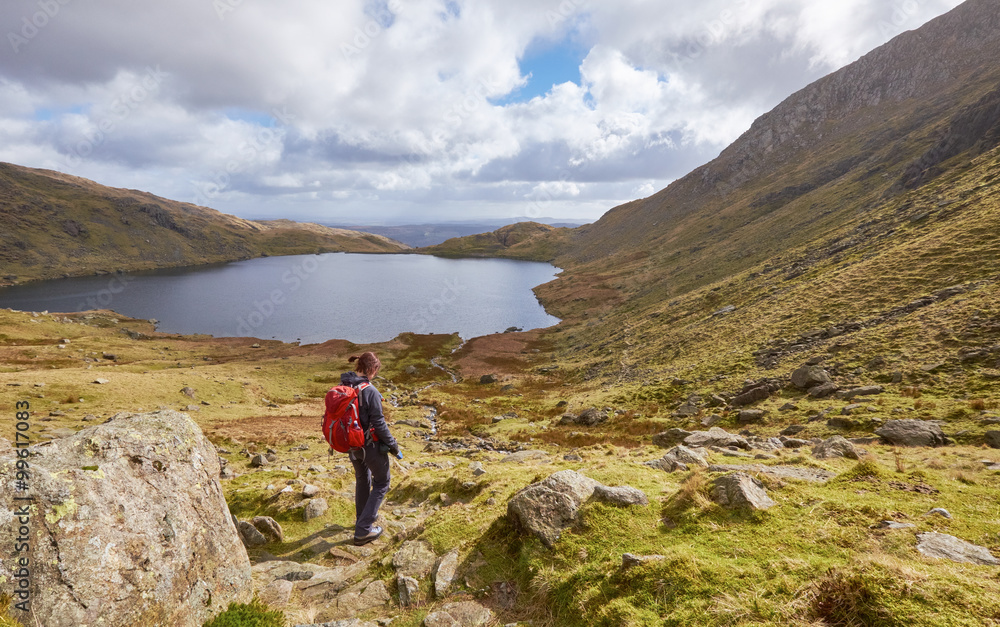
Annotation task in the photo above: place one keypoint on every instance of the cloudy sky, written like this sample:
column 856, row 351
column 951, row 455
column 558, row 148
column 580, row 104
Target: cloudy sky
column 353, row 111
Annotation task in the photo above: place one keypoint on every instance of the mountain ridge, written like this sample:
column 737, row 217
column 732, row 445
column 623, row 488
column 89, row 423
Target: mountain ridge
column 57, row 225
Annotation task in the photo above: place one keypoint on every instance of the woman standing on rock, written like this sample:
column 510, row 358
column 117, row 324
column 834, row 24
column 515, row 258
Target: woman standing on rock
column 371, row 463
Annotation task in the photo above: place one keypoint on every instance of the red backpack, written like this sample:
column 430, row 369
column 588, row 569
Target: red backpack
column 341, row 425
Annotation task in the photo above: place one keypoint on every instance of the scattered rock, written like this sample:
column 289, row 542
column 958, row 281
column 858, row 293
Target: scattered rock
column 258, row 461
column 939, row 511
column 477, row 469
column 814, row 475
column 670, row 438
column 993, row 439
column 621, row 495
column 409, row 588
column 716, row 437
column 681, row 458
column 269, row 528
column 314, row 509
column 523, row 456
column 592, row 416
column 711, row 420
column 892, row 524
column 748, row 416
column 277, row 593
column 178, row 553
column 837, row 446
column 795, row 442
column 739, row 490
column 411, row 370
column 911, row 432
column 463, row 614
column 309, row 491
column 187, row 391
column 487, row 379
column 572, row 457
column 546, row 508
column 101, row 381
column 445, row 574
column 810, row 376
column 793, row 430
column 823, row 390
column 414, row 559
column 942, row 546
column 251, row 537
column 867, row 390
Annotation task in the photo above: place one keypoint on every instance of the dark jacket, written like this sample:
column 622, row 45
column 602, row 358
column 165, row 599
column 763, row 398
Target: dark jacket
column 370, row 413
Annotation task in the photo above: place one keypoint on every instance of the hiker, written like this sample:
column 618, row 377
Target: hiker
column 371, row 463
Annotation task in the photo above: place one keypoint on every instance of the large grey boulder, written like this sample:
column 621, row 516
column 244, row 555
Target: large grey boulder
column 810, row 376
column 128, row 526
column 549, row 506
column 716, row 437
column 837, row 446
column 993, row 439
column 942, row 546
column 741, row 491
column 912, row 432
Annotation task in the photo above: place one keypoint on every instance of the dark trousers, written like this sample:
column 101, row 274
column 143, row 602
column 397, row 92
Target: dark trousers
column 371, row 472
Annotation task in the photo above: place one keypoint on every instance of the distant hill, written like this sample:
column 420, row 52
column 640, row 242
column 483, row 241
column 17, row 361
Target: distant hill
column 420, row 235
column 56, row 225
column 523, row 240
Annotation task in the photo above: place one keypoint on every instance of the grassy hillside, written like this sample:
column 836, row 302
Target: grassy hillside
column 55, row 225
column 529, row 241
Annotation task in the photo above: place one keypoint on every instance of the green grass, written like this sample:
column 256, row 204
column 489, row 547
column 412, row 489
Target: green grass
column 253, row 614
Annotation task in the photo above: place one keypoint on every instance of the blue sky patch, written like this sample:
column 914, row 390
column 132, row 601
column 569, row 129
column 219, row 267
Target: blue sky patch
column 548, row 64
column 46, row 114
column 252, row 117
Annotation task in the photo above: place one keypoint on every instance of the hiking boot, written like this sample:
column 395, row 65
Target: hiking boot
column 371, row 536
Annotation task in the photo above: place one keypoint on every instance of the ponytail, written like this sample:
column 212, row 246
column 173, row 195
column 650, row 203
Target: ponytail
column 368, row 363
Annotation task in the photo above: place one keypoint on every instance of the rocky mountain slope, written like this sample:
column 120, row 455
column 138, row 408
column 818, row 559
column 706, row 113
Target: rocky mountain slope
column 54, row 225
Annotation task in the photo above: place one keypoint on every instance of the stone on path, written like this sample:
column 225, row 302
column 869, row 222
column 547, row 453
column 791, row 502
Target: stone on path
column 445, row 574
column 409, row 588
column 414, row 559
column 942, row 546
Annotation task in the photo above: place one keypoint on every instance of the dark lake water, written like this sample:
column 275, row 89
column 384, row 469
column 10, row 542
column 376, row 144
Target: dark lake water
column 313, row 298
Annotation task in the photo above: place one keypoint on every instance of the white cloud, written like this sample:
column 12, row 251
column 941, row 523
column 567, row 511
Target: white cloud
column 320, row 108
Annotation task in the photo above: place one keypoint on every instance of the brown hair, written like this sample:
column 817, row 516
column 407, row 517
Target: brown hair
column 368, row 364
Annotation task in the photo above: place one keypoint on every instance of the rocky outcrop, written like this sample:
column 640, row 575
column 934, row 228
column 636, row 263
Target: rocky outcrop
column 716, row 437
column 810, row 376
column 681, row 458
column 129, row 526
column 942, row 546
column 912, row 432
column 740, row 491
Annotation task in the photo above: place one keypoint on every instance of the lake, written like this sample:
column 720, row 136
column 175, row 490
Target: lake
column 312, row 298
